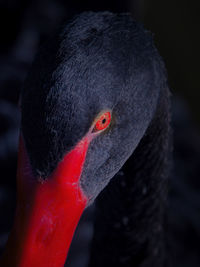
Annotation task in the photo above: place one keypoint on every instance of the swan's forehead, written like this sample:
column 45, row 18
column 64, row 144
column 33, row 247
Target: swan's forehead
column 89, row 87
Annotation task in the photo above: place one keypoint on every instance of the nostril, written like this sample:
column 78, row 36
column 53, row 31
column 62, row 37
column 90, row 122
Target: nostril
column 46, row 232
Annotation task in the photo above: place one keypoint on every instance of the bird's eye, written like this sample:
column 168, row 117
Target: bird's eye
column 102, row 122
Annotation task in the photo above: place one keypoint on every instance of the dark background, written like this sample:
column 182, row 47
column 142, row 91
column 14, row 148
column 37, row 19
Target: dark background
column 175, row 24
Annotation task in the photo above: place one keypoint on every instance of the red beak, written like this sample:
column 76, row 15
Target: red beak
column 47, row 211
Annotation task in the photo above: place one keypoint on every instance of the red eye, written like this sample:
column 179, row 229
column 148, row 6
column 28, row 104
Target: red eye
column 102, row 122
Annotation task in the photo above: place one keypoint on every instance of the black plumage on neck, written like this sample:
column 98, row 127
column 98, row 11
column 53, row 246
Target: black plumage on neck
column 131, row 211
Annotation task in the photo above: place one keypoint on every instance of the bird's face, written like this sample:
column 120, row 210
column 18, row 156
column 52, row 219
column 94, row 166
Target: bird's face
column 105, row 68
column 86, row 104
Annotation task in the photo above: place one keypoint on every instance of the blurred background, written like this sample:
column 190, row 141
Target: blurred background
column 24, row 25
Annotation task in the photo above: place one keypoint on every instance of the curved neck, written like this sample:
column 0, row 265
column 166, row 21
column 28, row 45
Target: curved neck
column 130, row 212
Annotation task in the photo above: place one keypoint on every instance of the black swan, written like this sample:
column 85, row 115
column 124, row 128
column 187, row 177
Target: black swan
column 95, row 122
